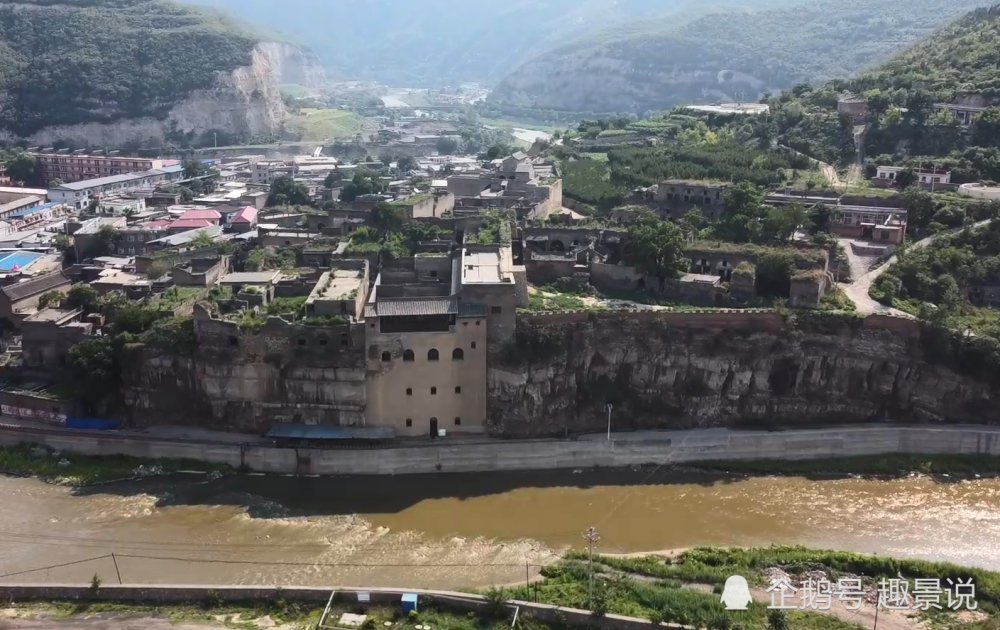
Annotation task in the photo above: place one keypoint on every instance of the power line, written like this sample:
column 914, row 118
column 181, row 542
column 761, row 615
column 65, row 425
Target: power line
column 57, row 566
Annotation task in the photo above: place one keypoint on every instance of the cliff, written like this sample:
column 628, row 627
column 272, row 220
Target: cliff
column 247, row 380
column 682, row 370
column 118, row 72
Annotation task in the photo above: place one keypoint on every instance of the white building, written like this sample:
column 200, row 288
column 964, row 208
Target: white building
column 79, row 194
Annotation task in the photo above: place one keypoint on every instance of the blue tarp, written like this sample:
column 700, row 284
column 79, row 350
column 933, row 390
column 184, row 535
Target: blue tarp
column 30, row 211
column 93, row 424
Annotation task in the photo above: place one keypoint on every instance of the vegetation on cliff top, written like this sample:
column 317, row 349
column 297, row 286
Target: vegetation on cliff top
column 103, row 60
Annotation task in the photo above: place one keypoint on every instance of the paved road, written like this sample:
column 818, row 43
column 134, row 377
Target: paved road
column 858, row 290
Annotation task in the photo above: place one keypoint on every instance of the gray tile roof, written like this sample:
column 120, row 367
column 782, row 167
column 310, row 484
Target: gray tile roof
column 404, row 307
column 35, row 286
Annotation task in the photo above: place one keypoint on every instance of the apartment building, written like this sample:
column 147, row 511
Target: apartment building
column 74, row 168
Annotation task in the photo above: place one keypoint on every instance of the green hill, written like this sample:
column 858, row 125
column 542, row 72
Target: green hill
column 963, row 57
column 64, row 62
column 433, row 43
column 731, row 55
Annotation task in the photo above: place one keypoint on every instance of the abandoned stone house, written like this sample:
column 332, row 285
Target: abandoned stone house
column 676, row 197
column 19, row 300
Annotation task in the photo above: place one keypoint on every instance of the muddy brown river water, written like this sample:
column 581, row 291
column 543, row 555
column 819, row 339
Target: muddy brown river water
column 449, row 531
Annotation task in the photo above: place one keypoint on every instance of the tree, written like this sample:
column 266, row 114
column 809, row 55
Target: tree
column 692, row 222
column 55, row 182
column 819, row 218
column 774, row 275
column 285, row 191
column 906, row 178
column 447, row 145
column 361, row 184
column 657, row 249
column 50, row 299
column 62, row 242
column 82, row 296
column 202, row 240
column 878, row 103
column 777, row 620
column 93, row 206
column 498, row 150
column 782, row 221
column 106, row 241
column 387, row 218
column 194, row 168
column 742, row 214
column 332, row 179
column 22, row 167
column 92, row 371
column 986, row 130
column 406, row 164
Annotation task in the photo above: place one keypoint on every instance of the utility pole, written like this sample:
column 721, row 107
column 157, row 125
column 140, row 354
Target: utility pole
column 591, row 536
column 610, row 407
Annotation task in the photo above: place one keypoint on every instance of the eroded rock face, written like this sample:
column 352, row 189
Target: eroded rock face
column 245, row 103
column 662, row 374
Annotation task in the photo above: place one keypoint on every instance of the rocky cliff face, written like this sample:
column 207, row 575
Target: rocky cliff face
column 245, row 103
column 700, row 370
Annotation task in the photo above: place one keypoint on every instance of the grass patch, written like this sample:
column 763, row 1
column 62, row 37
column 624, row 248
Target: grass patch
column 326, row 124
column 548, row 303
column 80, row 470
column 178, row 297
column 837, row 301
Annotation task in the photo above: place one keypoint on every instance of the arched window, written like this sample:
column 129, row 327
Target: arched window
column 473, row 345
column 434, row 391
column 432, row 355
column 458, row 422
column 408, row 355
column 457, row 355
column 302, row 341
column 344, row 339
column 323, row 341
column 386, row 357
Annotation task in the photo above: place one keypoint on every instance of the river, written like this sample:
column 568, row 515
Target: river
column 449, row 531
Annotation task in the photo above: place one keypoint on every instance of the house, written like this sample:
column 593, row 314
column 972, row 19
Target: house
column 122, row 206
column 79, row 194
column 185, row 225
column 183, row 238
column 341, row 291
column 200, row 272
column 883, row 225
column 678, row 196
column 211, row 215
column 88, row 237
column 19, row 300
column 932, row 179
column 245, row 220
column 48, row 336
column 854, row 106
column 966, row 114
column 132, row 240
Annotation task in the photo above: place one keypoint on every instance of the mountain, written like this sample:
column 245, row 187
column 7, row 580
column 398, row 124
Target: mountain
column 731, row 55
column 433, row 43
column 112, row 72
column 963, row 57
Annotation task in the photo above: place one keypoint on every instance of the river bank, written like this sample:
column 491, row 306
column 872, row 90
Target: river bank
column 610, row 593
column 656, row 448
column 74, row 469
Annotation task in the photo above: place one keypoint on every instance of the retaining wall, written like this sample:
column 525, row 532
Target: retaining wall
column 624, row 450
column 462, row 602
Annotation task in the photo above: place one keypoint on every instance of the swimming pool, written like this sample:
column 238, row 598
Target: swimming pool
column 20, row 259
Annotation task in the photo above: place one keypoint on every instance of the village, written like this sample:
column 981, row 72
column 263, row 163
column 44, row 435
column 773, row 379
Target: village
column 406, row 275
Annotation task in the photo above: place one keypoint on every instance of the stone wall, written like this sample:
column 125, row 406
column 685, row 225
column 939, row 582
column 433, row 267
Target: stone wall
column 673, row 370
column 245, row 380
column 445, row 456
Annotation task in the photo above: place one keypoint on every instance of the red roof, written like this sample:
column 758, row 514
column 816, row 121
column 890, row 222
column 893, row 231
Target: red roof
column 155, row 224
column 207, row 215
column 190, row 224
column 246, row 215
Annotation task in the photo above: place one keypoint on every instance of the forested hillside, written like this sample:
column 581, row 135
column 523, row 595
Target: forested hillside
column 433, row 43
column 963, row 57
column 65, row 62
column 731, row 55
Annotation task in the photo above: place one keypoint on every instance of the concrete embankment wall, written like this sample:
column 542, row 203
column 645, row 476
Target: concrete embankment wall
column 649, row 448
column 180, row 595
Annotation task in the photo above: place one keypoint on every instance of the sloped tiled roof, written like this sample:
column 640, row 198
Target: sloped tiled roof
column 246, row 215
column 190, row 224
column 209, row 215
column 35, row 286
column 412, row 306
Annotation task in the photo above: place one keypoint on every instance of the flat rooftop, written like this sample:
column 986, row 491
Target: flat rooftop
column 491, row 266
column 251, row 277
column 342, row 283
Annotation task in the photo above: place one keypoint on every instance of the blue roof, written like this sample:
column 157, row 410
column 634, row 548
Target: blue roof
column 310, row 432
column 409, row 597
column 30, row 211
